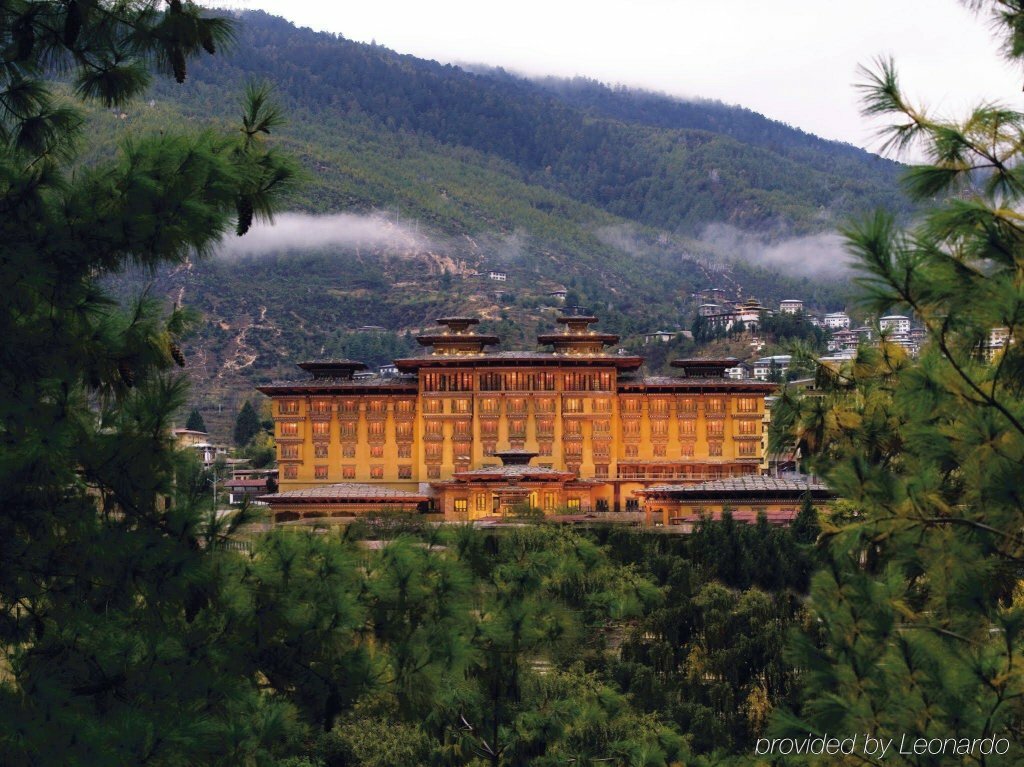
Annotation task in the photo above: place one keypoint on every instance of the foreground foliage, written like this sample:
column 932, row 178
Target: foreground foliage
column 919, row 606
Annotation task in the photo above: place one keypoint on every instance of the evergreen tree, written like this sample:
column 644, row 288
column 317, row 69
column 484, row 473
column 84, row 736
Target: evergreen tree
column 195, row 421
column 247, row 425
column 116, row 615
column 918, row 613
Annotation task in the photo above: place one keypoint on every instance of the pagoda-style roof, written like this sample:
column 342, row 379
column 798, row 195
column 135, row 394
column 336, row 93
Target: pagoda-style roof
column 705, row 367
column 746, row 486
column 458, row 338
column 334, row 369
column 515, row 468
column 511, row 359
column 577, row 338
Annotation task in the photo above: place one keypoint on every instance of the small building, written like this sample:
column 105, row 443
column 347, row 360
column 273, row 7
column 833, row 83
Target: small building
column 740, row 371
column 189, row 437
column 251, row 489
column 769, row 367
column 896, row 323
column 836, row 320
column 709, row 310
column 664, row 336
column 341, row 500
column 497, row 276
column 559, row 295
column 388, row 370
column 778, row 498
column 791, row 306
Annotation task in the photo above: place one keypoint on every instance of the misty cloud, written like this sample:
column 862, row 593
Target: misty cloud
column 301, row 231
column 816, row 255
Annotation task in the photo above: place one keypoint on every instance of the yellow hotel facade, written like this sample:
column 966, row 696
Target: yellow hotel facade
column 580, row 407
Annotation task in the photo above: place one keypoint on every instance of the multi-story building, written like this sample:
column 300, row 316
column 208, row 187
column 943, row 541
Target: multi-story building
column 791, row 306
column 582, row 409
column 836, row 320
column 896, row 323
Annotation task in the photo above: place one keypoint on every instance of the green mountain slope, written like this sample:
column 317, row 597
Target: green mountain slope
column 447, row 172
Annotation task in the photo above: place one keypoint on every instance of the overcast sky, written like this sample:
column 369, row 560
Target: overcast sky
column 792, row 60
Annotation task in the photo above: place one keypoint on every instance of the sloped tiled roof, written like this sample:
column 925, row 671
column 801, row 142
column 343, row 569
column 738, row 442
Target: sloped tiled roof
column 347, row 492
column 749, row 484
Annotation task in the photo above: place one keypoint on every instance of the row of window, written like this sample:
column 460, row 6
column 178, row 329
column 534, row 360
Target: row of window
column 349, row 406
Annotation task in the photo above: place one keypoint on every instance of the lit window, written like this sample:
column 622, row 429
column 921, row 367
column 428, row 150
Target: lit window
column 631, row 405
column 687, row 427
column 321, row 428
column 348, row 451
column 405, row 406
column 460, row 406
column 632, row 451
column 349, row 430
column 600, row 470
column 405, row 472
column 376, row 472
column 631, row 428
column 714, row 405
column 715, row 449
column 461, row 505
column 544, row 448
column 376, row 451
column 602, row 405
column 432, row 451
column 715, row 429
column 748, row 428
column 290, row 429
column 463, row 429
column 481, row 501
column 574, row 449
column 433, row 406
column 546, row 426
column 348, row 472
column 288, row 407
column 319, row 449
column 550, row 501
column 660, row 451
column 659, row 428
column 544, row 405
column 290, row 452
column 572, row 427
column 433, row 472
column 320, row 472
column 658, row 407
column 489, row 406
column 746, row 405
column 405, row 451
column 291, row 471
column 516, row 405
column 517, row 427
column 349, row 407
column 321, row 407
column 375, row 430
column 572, row 405
column 747, row 449
column 434, row 428
column 403, row 431
column 573, row 504
column 462, row 450
column 686, row 405
column 687, row 449
column 602, row 426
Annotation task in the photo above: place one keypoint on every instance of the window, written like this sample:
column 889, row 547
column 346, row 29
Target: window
column 349, row 430
column 573, row 504
column 746, row 405
column 489, row 448
column 321, row 407
column 403, row 431
column 291, row 452
column 714, row 429
column 461, row 505
column 319, row 449
column 714, row 405
column 602, row 449
column 321, row 428
column 489, row 406
column 320, row 472
column 687, row 427
column 544, row 405
column 658, row 408
column 602, row 426
column 349, row 407
column 715, row 449
column 348, row 451
column 291, row 471
column 545, row 426
column 490, row 382
column 463, row 450
column 290, row 429
column 463, row 429
column 588, row 381
column 572, row 405
column 517, row 428
column 463, row 466
column 601, row 470
column 572, row 450
column 686, row 405
column 632, row 451
column 405, row 451
column 515, row 405
column 660, row 451
column 376, row 451
column 461, row 406
column 348, row 472
column 550, row 501
column 686, row 450
column 544, row 448
column 405, row 407
column 375, row 430
column 433, row 406
column 434, row 428
column 572, row 428
column 489, row 429
column 631, row 405
column 747, row 449
column 602, row 405
column 447, row 381
column 288, row 407
column 659, row 428
column 631, row 429
column 432, row 451
column 481, row 501
column 376, row 472
column 405, row 472
column 434, row 472
column 748, row 428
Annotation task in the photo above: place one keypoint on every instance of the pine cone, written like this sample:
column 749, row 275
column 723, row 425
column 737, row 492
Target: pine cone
column 244, row 207
column 127, row 374
column 177, row 354
column 178, row 64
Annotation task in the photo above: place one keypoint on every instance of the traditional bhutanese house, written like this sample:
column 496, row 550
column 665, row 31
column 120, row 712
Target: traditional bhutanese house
column 778, row 498
column 252, row 489
column 500, row 490
column 345, row 499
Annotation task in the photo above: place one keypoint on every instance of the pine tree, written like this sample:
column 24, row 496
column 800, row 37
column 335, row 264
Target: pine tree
column 918, row 612
column 247, row 425
column 117, row 608
column 195, row 421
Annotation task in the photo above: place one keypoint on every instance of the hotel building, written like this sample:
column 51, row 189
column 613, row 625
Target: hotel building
column 441, row 427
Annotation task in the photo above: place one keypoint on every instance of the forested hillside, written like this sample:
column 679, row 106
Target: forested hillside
column 447, row 172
